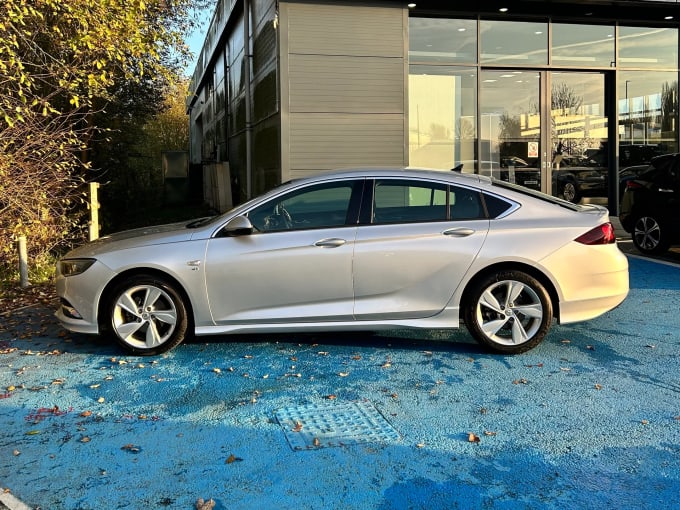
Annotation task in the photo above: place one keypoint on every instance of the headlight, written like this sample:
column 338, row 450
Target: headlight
column 72, row 267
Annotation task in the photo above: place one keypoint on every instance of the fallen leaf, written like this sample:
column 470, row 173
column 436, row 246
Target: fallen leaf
column 101, row 400
column 205, row 505
column 598, row 387
column 85, row 439
column 130, row 448
column 472, row 438
column 32, row 432
column 316, row 442
column 566, row 341
column 217, row 370
column 427, row 353
column 356, row 357
column 11, row 388
column 233, row 458
column 331, row 397
column 16, row 453
column 85, row 414
column 343, row 374
column 490, row 433
column 520, row 381
column 420, row 445
column 95, row 386
column 645, row 422
column 298, row 427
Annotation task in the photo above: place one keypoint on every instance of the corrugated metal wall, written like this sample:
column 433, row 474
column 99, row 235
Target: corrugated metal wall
column 343, row 86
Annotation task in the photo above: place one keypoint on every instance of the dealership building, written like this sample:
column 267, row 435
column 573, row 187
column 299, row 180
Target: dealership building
column 541, row 93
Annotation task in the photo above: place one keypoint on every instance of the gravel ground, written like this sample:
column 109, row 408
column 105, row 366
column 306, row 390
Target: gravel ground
column 589, row 419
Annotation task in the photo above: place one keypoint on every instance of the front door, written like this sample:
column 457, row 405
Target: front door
column 546, row 130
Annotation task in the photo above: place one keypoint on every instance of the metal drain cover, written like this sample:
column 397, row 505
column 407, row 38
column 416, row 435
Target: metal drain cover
column 318, row 426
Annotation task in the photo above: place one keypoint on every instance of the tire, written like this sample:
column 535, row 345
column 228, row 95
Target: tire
column 570, row 192
column 146, row 316
column 649, row 236
column 509, row 312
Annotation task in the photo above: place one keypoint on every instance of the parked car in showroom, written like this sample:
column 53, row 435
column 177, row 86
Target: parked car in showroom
column 650, row 207
column 354, row 250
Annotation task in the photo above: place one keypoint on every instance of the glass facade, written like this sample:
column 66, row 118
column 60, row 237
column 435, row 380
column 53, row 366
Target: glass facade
column 538, row 103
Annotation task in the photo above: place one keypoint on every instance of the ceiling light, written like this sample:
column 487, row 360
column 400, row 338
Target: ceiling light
column 668, row 17
column 462, row 29
column 411, row 5
column 503, row 9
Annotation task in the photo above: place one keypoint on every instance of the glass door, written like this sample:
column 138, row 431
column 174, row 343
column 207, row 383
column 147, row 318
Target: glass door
column 578, row 137
column 510, row 126
column 561, row 149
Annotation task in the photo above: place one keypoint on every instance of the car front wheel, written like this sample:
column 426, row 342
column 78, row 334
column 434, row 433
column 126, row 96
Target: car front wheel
column 509, row 312
column 649, row 236
column 146, row 316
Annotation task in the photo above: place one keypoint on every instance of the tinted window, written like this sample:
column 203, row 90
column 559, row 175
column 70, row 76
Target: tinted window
column 409, row 201
column 495, row 206
column 320, row 206
column 415, row 201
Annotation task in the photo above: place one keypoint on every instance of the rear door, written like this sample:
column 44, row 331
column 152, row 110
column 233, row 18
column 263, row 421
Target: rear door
column 414, row 248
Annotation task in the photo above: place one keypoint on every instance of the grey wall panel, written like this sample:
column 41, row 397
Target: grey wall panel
column 321, row 142
column 349, row 29
column 343, row 86
column 322, row 83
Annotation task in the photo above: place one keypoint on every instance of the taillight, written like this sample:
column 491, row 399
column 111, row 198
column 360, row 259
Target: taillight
column 633, row 185
column 604, row 234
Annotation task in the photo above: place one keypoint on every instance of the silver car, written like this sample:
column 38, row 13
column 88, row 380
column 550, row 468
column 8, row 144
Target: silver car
column 360, row 249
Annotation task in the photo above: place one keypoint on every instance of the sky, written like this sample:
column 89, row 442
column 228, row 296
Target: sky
column 195, row 39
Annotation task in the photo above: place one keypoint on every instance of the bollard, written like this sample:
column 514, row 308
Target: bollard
column 23, row 262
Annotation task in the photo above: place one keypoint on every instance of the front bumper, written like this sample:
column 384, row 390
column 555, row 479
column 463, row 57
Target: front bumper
column 80, row 296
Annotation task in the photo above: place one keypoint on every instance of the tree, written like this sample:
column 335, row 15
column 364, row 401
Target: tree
column 67, row 67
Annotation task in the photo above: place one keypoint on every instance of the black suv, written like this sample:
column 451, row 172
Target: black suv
column 650, row 208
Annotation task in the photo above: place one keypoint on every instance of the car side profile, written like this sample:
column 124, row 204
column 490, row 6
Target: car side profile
column 353, row 250
column 650, row 207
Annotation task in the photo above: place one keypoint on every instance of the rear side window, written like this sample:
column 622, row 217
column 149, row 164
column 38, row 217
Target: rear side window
column 405, row 201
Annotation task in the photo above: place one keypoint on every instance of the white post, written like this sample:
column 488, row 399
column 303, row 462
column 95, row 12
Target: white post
column 94, row 212
column 23, row 262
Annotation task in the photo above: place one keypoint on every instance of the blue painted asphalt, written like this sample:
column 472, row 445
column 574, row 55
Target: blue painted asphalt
column 589, row 419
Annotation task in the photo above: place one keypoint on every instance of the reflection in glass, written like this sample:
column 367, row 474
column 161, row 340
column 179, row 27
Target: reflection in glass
column 648, row 114
column 579, row 137
column 582, row 45
column 514, row 42
column 442, row 113
column 442, row 40
column 648, row 47
column 511, row 126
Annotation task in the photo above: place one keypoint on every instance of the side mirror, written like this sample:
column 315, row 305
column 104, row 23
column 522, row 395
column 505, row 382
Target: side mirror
column 237, row 226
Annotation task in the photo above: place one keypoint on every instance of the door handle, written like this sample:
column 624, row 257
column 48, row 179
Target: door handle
column 332, row 242
column 458, row 232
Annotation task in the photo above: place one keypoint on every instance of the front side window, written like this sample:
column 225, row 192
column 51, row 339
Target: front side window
column 320, row 206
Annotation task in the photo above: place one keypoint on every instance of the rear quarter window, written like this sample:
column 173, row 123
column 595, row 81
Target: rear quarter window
column 495, row 206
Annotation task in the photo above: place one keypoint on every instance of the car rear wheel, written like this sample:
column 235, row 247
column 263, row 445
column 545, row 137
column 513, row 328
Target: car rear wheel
column 146, row 315
column 509, row 312
column 649, row 236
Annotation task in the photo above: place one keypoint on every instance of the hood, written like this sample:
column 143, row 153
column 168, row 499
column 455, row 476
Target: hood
column 147, row 236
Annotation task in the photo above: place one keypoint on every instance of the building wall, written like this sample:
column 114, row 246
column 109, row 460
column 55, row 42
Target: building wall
column 343, row 85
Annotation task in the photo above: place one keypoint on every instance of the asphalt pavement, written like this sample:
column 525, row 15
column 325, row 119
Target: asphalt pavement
column 396, row 420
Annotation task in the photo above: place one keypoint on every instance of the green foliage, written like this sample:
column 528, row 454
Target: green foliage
column 75, row 74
